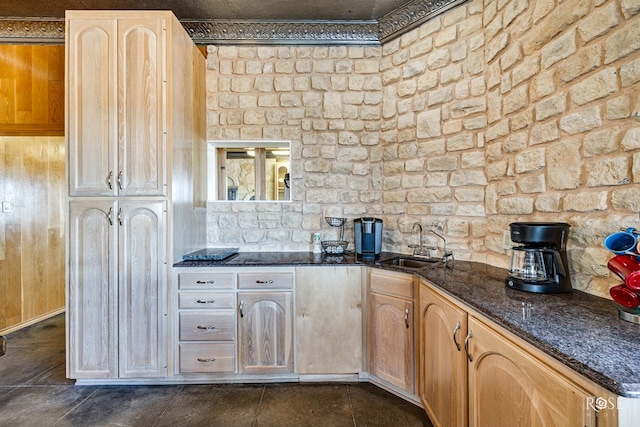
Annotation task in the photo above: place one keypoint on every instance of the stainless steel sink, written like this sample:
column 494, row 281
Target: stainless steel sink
column 411, row 262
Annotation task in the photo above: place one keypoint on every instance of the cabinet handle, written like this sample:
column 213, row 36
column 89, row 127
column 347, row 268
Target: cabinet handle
column 110, row 216
column 205, row 327
column 406, row 317
column 120, row 180
column 211, row 301
column 120, row 217
column 241, row 306
column 466, row 346
column 109, row 183
column 263, row 282
column 455, row 331
column 200, row 359
column 205, row 282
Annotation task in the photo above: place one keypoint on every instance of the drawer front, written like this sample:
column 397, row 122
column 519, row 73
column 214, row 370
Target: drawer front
column 206, row 280
column 265, row 280
column 399, row 284
column 205, row 300
column 207, row 326
column 217, row 357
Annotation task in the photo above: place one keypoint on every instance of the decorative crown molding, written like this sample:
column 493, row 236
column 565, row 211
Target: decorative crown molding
column 32, row 31
column 411, row 15
column 283, row 32
column 216, row 31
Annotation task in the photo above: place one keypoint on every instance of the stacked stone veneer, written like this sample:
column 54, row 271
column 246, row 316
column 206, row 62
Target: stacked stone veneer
column 493, row 112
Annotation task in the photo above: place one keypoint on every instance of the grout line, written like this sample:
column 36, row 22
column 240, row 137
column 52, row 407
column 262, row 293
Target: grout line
column 168, row 405
column 76, row 406
column 353, row 415
column 255, row 419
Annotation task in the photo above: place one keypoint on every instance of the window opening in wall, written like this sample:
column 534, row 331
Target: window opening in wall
column 249, row 170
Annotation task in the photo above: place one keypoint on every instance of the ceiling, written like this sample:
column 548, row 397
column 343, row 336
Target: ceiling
column 239, row 21
column 334, row 10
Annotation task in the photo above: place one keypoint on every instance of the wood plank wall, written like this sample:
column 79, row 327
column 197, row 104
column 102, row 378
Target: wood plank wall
column 32, row 266
column 31, row 90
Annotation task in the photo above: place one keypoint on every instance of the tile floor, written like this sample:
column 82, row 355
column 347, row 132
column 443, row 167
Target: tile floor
column 34, row 392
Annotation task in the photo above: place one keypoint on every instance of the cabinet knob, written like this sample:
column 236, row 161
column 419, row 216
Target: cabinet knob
column 110, row 216
column 211, row 301
column 264, row 282
column 207, row 328
column 205, row 282
column 109, row 183
column 241, row 306
column 200, row 359
column 120, row 180
column 406, row 317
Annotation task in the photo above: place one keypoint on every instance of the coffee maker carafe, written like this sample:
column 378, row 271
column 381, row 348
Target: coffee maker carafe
column 539, row 262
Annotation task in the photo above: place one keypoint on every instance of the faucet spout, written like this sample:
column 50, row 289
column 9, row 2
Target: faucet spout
column 420, row 249
column 445, row 253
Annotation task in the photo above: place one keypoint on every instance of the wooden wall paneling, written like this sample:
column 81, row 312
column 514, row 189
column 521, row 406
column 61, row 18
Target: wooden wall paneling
column 32, row 263
column 31, row 90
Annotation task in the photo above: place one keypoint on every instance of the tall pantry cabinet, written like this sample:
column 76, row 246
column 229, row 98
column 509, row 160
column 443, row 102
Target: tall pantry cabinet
column 135, row 130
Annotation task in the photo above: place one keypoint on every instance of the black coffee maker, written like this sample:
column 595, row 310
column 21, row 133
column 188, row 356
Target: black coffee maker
column 368, row 237
column 539, row 264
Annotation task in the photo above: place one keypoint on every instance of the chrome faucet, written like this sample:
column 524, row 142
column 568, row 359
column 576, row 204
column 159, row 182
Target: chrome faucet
column 445, row 253
column 419, row 250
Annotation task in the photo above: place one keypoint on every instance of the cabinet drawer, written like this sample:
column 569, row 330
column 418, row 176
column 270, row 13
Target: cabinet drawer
column 206, row 280
column 205, row 300
column 397, row 284
column 217, row 357
column 265, row 280
column 207, row 326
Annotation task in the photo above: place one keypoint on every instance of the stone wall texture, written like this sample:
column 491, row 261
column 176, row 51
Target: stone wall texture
column 495, row 111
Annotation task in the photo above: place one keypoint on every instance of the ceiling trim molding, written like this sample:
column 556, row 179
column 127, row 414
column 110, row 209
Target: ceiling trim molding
column 411, row 15
column 49, row 31
column 283, row 32
column 388, row 27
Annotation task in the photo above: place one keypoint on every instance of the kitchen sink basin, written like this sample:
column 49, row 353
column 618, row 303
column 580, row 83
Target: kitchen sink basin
column 411, row 262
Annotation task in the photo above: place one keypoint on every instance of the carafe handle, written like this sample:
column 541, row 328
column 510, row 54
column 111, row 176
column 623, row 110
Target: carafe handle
column 557, row 260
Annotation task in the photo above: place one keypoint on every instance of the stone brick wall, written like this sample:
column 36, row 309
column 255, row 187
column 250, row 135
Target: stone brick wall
column 493, row 112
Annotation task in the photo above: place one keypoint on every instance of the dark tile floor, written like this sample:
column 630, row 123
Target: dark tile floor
column 34, row 392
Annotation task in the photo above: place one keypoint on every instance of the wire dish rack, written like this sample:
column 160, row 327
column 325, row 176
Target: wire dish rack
column 335, row 247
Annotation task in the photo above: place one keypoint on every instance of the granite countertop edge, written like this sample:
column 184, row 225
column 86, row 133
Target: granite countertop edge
column 582, row 331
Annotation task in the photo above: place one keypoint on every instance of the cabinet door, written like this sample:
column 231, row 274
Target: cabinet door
column 141, row 256
column 442, row 373
column 329, row 320
column 265, row 332
column 141, row 106
column 92, row 127
column 509, row 387
column 92, row 282
column 391, row 347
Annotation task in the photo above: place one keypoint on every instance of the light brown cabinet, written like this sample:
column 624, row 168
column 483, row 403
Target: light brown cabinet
column 133, row 124
column 116, row 84
column 506, row 382
column 265, row 324
column 206, row 323
column 116, row 281
column 391, row 330
column 329, row 320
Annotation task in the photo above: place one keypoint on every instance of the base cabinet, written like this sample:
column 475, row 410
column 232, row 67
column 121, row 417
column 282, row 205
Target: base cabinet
column 505, row 381
column 391, row 331
column 116, row 289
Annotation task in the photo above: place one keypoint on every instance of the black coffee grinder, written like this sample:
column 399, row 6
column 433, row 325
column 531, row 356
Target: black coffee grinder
column 539, row 264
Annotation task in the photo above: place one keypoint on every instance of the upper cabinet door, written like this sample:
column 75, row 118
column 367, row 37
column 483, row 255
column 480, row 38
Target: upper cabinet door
column 116, row 94
column 92, row 127
column 141, row 106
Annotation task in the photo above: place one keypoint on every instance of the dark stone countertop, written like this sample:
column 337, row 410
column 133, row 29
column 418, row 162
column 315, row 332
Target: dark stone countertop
column 582, row 331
